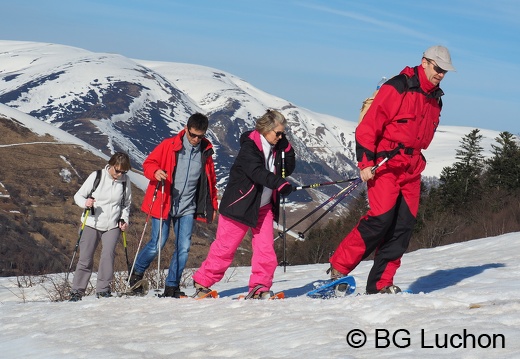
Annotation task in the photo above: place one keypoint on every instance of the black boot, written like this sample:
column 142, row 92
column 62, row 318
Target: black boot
column 106, row 294
column 172, row 292
column 136, row 277
column 75, row 296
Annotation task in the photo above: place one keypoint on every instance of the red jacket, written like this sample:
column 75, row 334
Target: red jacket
column 164, row 157
column 406, row 111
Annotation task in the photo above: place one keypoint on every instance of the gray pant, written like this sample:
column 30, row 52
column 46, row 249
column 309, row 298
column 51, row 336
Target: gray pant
column 88, row 243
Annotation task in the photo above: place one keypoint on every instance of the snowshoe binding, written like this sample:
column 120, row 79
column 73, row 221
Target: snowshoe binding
column 202, row 292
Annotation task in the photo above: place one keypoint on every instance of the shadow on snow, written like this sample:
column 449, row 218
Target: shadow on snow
column 437, row 280
column 289, row 293
column 448, row 277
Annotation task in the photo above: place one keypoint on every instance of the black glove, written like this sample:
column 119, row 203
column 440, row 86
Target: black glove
column 282, row 143
column 286, row 189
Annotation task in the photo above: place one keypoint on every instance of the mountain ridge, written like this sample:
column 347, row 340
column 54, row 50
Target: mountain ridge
column 116, row 103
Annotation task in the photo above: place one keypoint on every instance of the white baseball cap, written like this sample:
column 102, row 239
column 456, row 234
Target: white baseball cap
column 441, row 56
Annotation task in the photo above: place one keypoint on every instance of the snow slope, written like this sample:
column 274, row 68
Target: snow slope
column 446, row 279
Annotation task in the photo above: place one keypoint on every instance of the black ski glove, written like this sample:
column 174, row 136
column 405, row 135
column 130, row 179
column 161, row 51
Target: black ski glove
column 286, row 189
column 283, row 143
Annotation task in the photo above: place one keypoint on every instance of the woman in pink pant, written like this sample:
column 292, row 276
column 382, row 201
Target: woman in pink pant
column 251, row 200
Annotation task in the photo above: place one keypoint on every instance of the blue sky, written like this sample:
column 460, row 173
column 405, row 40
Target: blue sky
column 326, row 56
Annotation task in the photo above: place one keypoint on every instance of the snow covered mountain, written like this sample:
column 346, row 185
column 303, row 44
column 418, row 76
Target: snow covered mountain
column 115, row 103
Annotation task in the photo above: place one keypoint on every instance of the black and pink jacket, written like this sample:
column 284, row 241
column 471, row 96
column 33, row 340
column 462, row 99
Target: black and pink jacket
column 248, row 176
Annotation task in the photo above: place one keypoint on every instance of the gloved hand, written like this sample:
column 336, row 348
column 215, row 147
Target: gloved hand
column 283, row 143
column 286, row 189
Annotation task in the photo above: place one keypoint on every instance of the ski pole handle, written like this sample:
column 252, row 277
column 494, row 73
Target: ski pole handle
column 314, row 185
column 283, row 164
column 91, row 208
column 394, row 152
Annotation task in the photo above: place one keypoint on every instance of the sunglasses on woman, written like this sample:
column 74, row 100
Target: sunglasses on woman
column 120, row 172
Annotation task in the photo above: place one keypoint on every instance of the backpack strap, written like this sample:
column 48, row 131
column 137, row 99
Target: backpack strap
column 123, row 199
column 94, row 187
column 124, row 195
column 403, row 83
column 96, row 182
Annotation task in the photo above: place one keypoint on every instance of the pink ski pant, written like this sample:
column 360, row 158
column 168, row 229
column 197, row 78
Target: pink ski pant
column 230, row 234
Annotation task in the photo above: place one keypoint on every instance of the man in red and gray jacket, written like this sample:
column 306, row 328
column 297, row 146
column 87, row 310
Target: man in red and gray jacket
column 186, row 166
column 405, row 113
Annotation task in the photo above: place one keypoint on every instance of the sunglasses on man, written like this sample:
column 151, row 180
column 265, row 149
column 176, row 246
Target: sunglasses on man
column 192, row 135
column 436, row 68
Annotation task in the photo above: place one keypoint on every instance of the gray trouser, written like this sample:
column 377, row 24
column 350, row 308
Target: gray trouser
column 88, row 243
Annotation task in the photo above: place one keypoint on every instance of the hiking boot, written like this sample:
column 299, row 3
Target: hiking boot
column 200, row 290
column 106, row 294
column 75, row 297
column 136, row 277
column 172, row 292
column 334, row 273
column 390, row 289
column 263, row 295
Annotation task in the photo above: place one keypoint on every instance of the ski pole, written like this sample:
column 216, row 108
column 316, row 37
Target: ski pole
column 87, row 211
column 330, row 199
column 126, row 252
column 284, row 219
column 314, row 185
column 122, row 221
column 159, row 242
column 345, row 191
column 351, row 188
column 142, row 234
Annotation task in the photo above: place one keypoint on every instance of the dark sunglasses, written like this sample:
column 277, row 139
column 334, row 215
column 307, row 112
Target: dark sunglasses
column 278, row 133
column 192, row 135
column 120, row 172
column 436, row 68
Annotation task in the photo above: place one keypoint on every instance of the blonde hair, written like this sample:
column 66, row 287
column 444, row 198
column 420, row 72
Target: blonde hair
column 269, row 121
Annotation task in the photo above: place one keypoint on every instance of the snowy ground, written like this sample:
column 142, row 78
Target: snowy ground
column 436, row 322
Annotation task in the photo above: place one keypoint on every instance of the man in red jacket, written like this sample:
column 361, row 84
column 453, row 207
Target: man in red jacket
column 405, row 113
column 185, row 165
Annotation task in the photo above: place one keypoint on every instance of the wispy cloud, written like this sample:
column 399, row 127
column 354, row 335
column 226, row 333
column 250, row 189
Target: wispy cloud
column 393, row 27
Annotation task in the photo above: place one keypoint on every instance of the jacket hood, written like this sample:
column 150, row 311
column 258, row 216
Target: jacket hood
column 252, row 136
